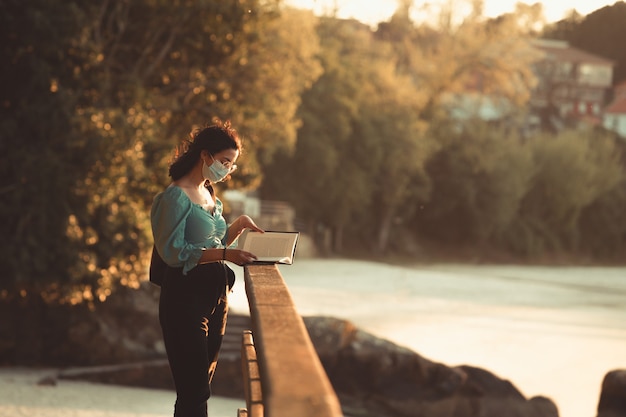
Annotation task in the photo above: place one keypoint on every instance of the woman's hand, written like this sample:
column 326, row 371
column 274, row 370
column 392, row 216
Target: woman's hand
column 239, row 257
column 246, row 222
column 239, row 225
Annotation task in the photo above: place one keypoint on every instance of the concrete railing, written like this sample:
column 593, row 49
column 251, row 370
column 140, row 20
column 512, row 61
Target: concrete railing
column 283, row 375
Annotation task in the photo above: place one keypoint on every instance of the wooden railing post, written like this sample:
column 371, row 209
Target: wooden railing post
column 293, row 380
column 251, row 377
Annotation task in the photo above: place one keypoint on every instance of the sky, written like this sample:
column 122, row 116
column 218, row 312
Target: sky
column 374, row 11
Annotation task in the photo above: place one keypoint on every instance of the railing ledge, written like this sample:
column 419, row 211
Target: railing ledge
column 293, row 380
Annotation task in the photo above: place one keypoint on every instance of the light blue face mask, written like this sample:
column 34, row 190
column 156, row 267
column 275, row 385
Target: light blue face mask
column 216, row 172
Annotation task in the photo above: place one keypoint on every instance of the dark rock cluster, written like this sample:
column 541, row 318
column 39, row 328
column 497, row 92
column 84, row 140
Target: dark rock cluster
column 374, row 377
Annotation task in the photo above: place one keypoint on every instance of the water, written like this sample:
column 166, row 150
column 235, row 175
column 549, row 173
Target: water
column 553, row 331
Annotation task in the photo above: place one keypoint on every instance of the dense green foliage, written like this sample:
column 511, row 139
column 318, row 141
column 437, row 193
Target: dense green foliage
column 351, row 126
column 527, row 195
column 95, row 97
column 380, row 155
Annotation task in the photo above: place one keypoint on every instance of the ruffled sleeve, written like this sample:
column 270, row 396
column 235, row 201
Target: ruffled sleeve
column 169, row 214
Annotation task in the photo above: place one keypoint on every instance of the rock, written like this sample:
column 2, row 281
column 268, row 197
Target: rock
column 543, row 407
column 613, row 395
column 374, row 377
column 47, row 381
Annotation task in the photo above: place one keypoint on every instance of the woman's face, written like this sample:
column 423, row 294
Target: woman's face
column 227, row 157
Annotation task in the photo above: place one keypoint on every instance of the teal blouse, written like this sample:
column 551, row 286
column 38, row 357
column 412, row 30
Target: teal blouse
column 182, row 229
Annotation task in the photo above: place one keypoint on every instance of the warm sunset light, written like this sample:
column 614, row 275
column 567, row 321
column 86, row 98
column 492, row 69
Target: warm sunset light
column 375, row 11
column 427, row 218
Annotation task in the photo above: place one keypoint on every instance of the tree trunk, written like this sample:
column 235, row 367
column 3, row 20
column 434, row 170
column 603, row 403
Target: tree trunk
column 384, row 231
column 338, row 239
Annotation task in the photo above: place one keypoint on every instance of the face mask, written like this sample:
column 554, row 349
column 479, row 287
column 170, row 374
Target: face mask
column 216, row 172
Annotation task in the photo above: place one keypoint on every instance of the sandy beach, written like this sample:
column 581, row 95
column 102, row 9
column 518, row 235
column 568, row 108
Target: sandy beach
column 21, row 396
column 553, row 331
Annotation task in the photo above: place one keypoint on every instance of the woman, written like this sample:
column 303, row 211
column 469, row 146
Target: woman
column 193, row 239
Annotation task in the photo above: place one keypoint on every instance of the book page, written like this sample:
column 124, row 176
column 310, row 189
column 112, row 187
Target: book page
column 270, row 246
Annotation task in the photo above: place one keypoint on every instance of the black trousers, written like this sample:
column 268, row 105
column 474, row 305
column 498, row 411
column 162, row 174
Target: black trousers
column 192, row 312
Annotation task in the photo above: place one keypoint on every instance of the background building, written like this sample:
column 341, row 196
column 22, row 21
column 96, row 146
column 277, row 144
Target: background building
column 573, row 85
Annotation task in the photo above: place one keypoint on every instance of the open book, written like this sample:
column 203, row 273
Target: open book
column 270, row 247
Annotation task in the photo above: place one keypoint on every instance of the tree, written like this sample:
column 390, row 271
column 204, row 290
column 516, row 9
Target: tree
column 141, row 64
column 571, row 171
column 97, row 98
column 603, row 224
column 397, row 147
column 461, row 55
column 329, row 111
column 42, row 161
column 269, row 82
column 479, row 176
column 362, row 145
column 359, row 144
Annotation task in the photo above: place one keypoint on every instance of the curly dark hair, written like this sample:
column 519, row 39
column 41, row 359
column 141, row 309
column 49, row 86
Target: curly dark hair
column 213, row 138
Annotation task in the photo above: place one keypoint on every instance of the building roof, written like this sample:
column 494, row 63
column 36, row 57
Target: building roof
column 562, row 51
